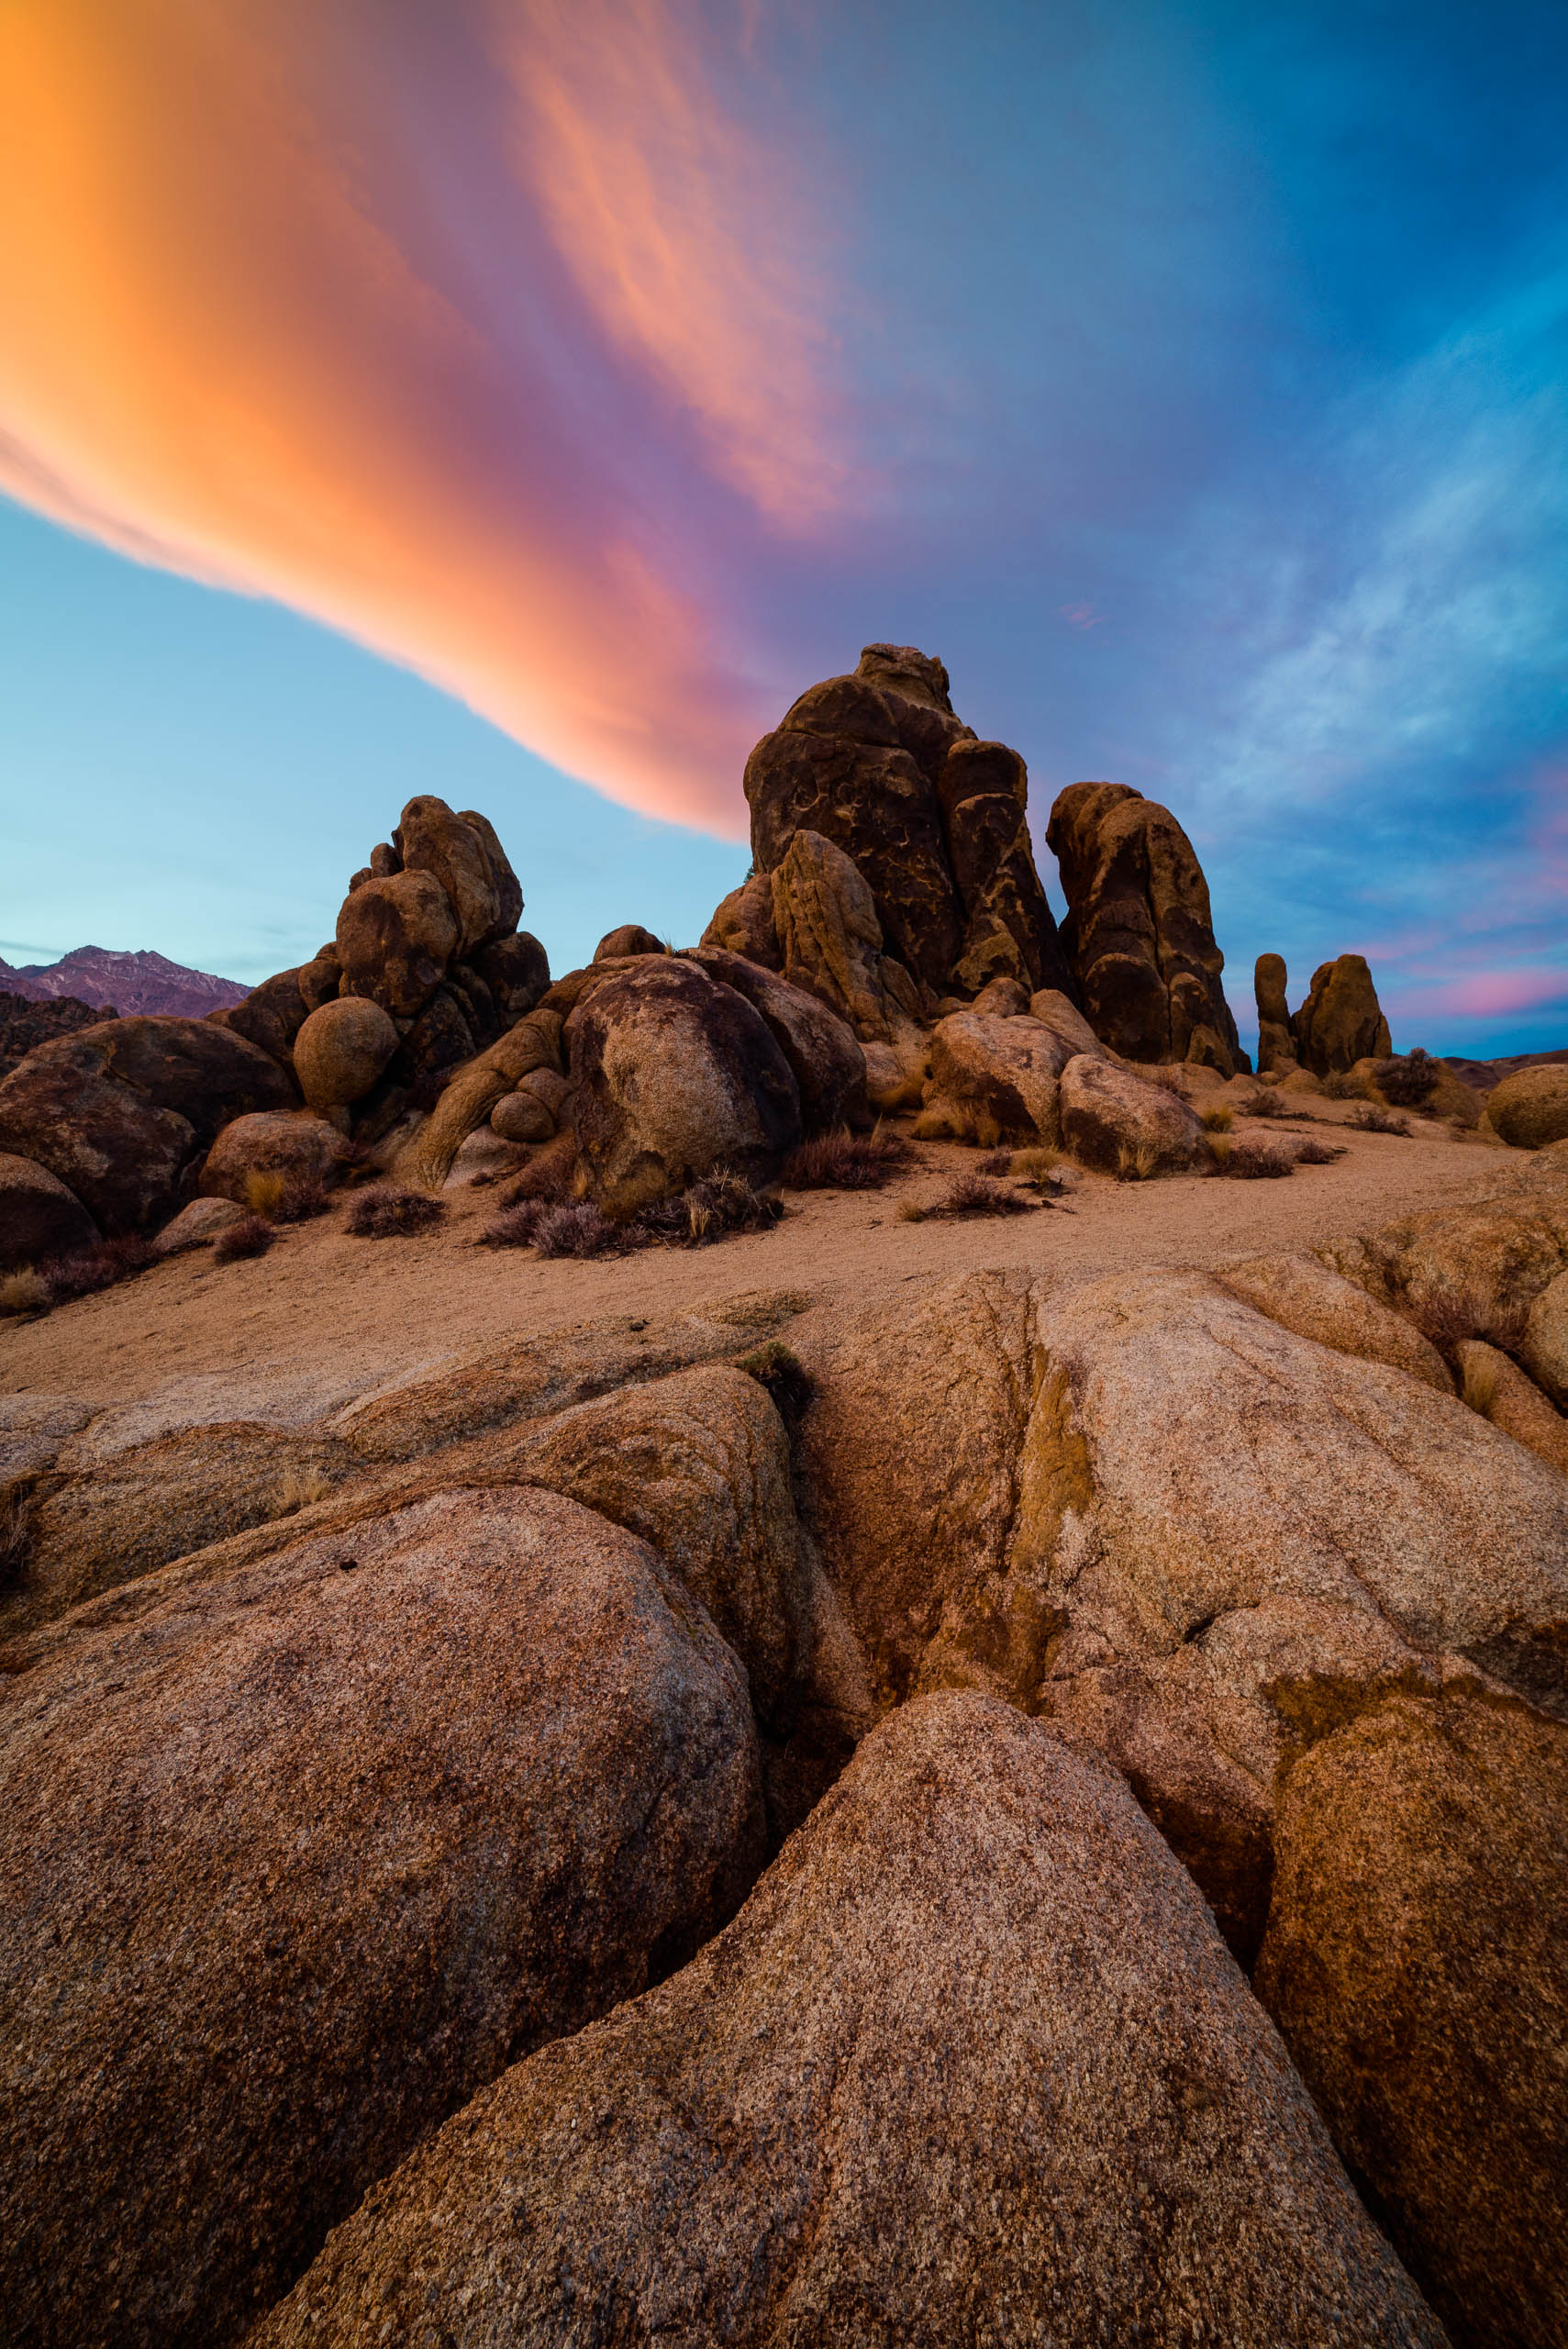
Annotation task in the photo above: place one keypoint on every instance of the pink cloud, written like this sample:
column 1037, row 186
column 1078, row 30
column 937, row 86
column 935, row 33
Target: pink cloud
column 1081, row 616
column 1483, row 995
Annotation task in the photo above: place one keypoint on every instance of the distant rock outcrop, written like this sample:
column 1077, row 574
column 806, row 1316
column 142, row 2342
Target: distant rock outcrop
column 935, row 820
column 1139, row 932
column 132, row 982
column 1277, row 1045
column 1342, row 1021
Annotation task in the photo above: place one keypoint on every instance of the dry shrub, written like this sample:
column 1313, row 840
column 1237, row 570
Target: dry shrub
column 301, row 1489
column 721, row 1204
column 1373, row 1121
column 1267, row 1101
column 1034, row 1164
column 100, row 1266
column 1447, row 1317
column 1340, row 1085
column 386, row 1211
column 785, row 1377
column 1251, row 1158
column 1310, row 1151
column 977, row 1194
column 1136, row 1162
column 845, row 1162
column 25, row 1292
column 910, row 1212
column 579, row 1230
column 249, row 1237
column 1409, row 1079
column 285, row 1198
column 997, row 1162
column 1169, row 1079
column 1220, row 1120
column 515, row 1227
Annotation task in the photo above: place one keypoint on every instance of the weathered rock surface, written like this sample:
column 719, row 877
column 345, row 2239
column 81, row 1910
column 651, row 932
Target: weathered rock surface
column 1470, row 1270
column 1500, row 1391
column 399, row 1826
column 1277, row 1045
column 970, row 2064
column 396, row 937
column 1302, row 1292
column 675, row 1075
column 743, row 924
column 878, row 765
column 1061, row 1016
column 1118, row 1123
column 1139, row 932
column 1417, row 1962
column 121, row 1113
column 26, row 1024
column 831, row 940
column 516, row 971
column 340, row 1051
column 270, row 1015
column 196, row 1226
column 467, row 1102
column 993, row 1080
column 464, row 855
column 40, row 1215
column 521, row 1116
column 629, row 939
column 1529, row 1109
column 828, row 1064
column 1545, row 1345
column 1341, row 1021
column 294, row 1145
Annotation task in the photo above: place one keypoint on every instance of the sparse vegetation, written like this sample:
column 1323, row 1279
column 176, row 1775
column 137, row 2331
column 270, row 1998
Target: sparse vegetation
column 1409, row 1080
column 1250, row 1158
column 103, row 1265
column 1220, row 1120
column 1267, row 1101
column 1373, row 1121
column 716, row 1207
column 721, row 1204
column 1136, row 1162
column 1340, row 1085
column 285, row 1198
column 785, row 1377
column 911, row 1211
column 251, row 1236
column 845, row 1162
column 1447, row 1317
column 581, row 1230
column 386, row 1211
column 25, row 1292
column 978, row 1194
column 301, row 1489
column 1169, row 1079
column 1311, row 1152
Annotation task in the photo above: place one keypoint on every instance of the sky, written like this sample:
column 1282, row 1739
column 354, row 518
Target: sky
column 525, row 400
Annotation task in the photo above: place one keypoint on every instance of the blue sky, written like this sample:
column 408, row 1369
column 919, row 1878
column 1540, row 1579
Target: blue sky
column 1190, row 378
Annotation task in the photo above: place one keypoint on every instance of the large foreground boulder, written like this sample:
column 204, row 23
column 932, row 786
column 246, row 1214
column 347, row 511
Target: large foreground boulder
column 1529, row 1109
column 39, row 1216
column 463, row 854
column 121, row 1113
column 675, row 1075
column 396, row 936
column 972, row 2064
column 1123, row 1125
column 993, row 1080
column 341, row 1048
column 299, row 1860
column 828, row 1064
column 1417, row 1962
column 878, row 765
column 1139, row 932
column 256, row 1159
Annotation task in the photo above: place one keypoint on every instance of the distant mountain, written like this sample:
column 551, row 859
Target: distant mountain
column 101, row 976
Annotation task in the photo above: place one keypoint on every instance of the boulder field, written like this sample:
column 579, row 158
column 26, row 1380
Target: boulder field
column 1061, row 1836
column 994, row 1806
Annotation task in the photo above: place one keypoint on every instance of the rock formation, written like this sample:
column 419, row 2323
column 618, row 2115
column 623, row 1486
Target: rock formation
column 1341, row 1021
column 1138, row 933
column 1529, row 1109
column 25, row 1024
column 1277, row 1044
column 935, row 820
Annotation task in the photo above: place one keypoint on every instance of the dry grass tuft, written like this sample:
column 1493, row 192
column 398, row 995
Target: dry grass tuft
column 25, row 1292
column 1250, row 1158
column 1136, row 1162
column 579, row 1230
column 978, row 1194
column 386, row 1211
column 910, row 1212
column 721, row 1204
column 1169, row 1079
column 301, row 1489
column 1220, row 1120
column 285, row 1198
column 1034, row 1164
column 1373, row 1121
column 1340, row 1085
column 785, row 1377
column 515, row 1227
column 845, row 1162
column 1447, row 1317
column 249, row 1237
column 1311, row 1152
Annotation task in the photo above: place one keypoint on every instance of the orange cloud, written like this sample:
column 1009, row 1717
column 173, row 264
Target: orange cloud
column 479, row 385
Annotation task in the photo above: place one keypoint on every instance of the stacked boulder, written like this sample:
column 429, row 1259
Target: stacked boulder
column 1139, row 932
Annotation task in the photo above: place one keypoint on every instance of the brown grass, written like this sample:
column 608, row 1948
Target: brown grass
column 1448, row 1316
column 386, row 1211
column 25, row 1292
column 785, row 1377
column 1250, row 1158
column 978, row 1194
column 1311, row 1152
column 104, row 1265
column 1373, row 1121
column 1220, row 1120
column 249, row 1237
column 845, row 1162
column 285, row 1198
column 1340, row 1085
column 1136, row 1162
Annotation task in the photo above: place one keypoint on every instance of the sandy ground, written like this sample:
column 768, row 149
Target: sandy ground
column 325, row 1316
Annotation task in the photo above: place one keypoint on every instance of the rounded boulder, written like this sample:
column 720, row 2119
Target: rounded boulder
column 1529, row 1109
column 395, row 939
column 341, row 1050
column 40, row 1215
column 287, row 1147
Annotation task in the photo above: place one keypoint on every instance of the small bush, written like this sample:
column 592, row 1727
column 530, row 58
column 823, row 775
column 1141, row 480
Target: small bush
column 1409, row 1080
column 249, row 1237
column 1340, row 1085
column 977, row 1194
column 515, row 1227
column 1220, row 1120
column 1170, row 1080
column 786, row 1379
column 285, row 1198
column 909, row 1211
column 1373, row 1121
column 1136, row 1162
column 1310, row 1151
column 997, row 1162
column 845, row 1162
column 386, row 1211
column 580, row 1230
column 1251, row 1158
column 25, row 1292
column 1266, row 1101
column 100, row 1266
column 1447, row 1317
column 716, row 1207
column 301, row 1489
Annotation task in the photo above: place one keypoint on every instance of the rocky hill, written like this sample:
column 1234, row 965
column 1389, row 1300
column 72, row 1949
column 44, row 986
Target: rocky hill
column 104, row 975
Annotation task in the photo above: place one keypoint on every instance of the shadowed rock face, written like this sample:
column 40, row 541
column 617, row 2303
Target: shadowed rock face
column 121, row 1113
column 39, row 1216
column 1138, row 933
column 972, row 2064
column 299, row 1860
column 1416, row 1962
column 1340, row 1022
column 1277, row 1045
column 878, row 763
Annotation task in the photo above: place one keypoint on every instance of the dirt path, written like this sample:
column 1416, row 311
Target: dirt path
column 328, row 1314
